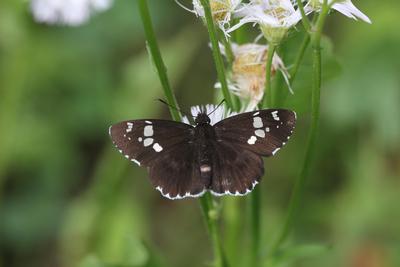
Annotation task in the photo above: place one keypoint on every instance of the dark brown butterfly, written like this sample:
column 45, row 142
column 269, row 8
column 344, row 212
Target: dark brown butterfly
column 224, row 158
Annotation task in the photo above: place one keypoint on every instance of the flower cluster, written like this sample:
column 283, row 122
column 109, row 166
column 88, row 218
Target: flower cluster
column 274, row 18
column 248, row 72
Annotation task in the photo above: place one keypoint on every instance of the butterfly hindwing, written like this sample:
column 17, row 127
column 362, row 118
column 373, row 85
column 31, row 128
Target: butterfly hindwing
column 263, row 132
column 236, row 171
column 177, row 174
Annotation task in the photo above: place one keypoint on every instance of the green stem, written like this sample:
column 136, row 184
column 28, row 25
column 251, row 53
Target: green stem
column 205, row 201
column 157, row 59
column 299, row 57
column 315, row 111
column 219, row 63
column 228, row 50
column 239, row 35
column 304, row 18
column 255, row 201
column 256, row 196
column 267, row 99
column 211, row 215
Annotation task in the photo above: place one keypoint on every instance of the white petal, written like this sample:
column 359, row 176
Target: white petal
column 348, row 9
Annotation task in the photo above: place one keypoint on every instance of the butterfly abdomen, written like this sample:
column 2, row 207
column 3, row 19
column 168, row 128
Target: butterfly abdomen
column 204, row 145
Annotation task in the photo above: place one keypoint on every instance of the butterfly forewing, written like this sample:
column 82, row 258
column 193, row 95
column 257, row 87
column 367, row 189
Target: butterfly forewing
column 263, row 132
column 142, row 140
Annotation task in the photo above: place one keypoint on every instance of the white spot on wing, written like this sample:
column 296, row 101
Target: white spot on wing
column 257, row 122
column 256, row 113
column 276, row 150
column 267, row 129
column 137, row 162
column 260, row 133
column 140, row 139
column 148, row 130
column 148, row 141
column 252, row 140
column 157, row 147
column 130, row 127
column 275, row 115
column 205, row 168
column 148, row 122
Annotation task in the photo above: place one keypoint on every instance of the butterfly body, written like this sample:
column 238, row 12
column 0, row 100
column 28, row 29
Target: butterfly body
column 224, row 158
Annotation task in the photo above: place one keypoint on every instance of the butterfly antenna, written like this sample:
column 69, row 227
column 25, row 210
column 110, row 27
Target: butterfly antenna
column 223, row 100
column 165, row 103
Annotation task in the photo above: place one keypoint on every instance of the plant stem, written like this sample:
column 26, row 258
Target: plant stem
column 239, row 35
column 299, row 57
column 219, row 63
column 211, row 215
column 315, row 109
column 205, row 201
column 267, row 99
column 255, row 207
column 228, row 50
column 157, row 59
column 304, row 19
column 255, row 197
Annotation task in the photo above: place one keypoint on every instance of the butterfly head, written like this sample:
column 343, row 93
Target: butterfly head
column 202, row 118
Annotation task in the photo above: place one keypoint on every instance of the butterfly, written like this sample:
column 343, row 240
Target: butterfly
column 224, row 158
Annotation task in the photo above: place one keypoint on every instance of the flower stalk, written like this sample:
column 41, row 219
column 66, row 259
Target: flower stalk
column 255, row 217
column 157, row 59
column 219, row 63
column 205, row 201
column 304, row 18
column 267, row 101
column 211, row 215
column 315, row 113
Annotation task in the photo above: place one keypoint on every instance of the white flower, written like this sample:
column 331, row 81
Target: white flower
column 67, row 12
column 248, row 72
column 346, row 7
column 274, row 17
column 221, row 10
column 215, row 113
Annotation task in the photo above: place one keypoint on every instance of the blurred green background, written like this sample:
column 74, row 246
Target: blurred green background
column 67, row 198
